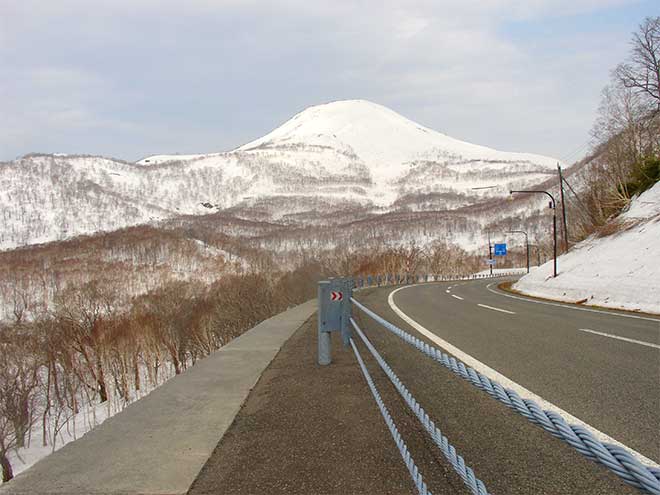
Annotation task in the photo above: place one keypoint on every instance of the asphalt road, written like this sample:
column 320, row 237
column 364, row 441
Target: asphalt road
column 316, row 429
column 611, row 384
column 310, row 429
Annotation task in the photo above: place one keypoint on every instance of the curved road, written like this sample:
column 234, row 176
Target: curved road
column 602, row 367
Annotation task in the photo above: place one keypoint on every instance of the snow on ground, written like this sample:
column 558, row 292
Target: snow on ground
column 64, row 429
column 617, row 271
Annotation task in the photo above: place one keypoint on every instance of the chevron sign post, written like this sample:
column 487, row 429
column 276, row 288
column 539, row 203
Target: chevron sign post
column 334, row 313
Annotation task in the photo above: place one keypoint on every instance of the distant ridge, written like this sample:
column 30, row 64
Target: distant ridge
column 351, row 155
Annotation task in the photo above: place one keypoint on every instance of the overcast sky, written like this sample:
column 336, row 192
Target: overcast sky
column 129, row 78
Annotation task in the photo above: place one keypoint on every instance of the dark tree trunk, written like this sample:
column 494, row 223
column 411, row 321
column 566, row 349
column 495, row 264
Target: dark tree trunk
column 100, row 380
column 20, row 432
column 7, row 472
column 103, row 393
column 44, row 416
column 136, row 375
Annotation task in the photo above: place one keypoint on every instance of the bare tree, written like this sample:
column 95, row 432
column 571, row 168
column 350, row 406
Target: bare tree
column 642, row 71
column 19, row 381
column 166, row 312
column 84, row 312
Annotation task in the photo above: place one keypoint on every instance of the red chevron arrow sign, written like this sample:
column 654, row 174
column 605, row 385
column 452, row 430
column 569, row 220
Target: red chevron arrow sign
column 336, row 296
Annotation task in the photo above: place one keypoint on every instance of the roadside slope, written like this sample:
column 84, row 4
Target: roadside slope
column 617, row 271
column 159, row 444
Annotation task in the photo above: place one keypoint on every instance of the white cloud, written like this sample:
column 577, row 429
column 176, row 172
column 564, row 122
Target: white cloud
column 223, row 72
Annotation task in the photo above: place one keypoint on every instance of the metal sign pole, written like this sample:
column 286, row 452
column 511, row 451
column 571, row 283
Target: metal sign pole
column 334, row 314
column 324, row 349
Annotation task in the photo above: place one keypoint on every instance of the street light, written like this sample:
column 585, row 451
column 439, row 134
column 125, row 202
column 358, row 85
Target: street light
column 526, row 243
column 554, row 223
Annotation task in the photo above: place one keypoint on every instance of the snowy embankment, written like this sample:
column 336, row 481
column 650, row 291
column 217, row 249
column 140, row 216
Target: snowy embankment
column 618, row 271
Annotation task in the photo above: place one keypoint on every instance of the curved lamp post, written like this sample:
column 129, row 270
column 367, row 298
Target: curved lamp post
column 554, row 224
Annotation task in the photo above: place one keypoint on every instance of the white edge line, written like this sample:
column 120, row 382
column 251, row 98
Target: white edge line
column 569, row 306
column 496, row 309
column 507, row 383
column 618, row 337
column 457, row 297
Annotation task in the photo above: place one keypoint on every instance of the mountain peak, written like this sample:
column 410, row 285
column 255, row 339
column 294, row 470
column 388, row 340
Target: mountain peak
column 382, row 138
column 350, row 121
column 336, row 155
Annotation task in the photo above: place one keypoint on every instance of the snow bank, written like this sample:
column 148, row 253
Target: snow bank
column 618, row 271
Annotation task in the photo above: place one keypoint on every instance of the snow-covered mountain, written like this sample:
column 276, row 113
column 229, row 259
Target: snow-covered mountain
column 342, row 156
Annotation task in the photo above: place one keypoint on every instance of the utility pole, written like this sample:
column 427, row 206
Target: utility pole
column 490, row 254
column 563, row 207
column 553, row 206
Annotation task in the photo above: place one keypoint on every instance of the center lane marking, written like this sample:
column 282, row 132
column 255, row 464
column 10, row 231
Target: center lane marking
column 486, row 370
column 497, row 309
column 457, row 297
column 618, row 337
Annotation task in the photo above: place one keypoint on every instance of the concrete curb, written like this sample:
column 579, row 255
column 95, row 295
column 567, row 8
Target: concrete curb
column 159, row 444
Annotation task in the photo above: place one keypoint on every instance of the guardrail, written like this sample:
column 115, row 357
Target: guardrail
column 363, row 281
column 334, row 307
column 335, row 315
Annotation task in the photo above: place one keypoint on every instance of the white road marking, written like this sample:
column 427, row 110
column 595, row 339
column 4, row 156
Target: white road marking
column 618, row 337
column 457, row 297
column 569, row 306
column 507, row 383
column 496, row 309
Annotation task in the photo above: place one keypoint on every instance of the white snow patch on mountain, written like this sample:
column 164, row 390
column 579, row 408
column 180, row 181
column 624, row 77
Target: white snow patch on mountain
column 617, row 271
column 344, row 154
column 381, row 138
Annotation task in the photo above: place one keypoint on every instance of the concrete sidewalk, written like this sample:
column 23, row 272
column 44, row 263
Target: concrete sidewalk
column 159, row 444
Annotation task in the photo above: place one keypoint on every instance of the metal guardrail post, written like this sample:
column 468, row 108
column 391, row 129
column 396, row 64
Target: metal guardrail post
column 345, row 303
column 334, row 313
column 324, row 349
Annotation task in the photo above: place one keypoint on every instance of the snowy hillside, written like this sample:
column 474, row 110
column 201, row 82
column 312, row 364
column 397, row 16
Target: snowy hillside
column 617, row 271
column 347, row 155
column 391, row 146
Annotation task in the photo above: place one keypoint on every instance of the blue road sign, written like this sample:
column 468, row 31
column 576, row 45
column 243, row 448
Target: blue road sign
column 500, row 249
